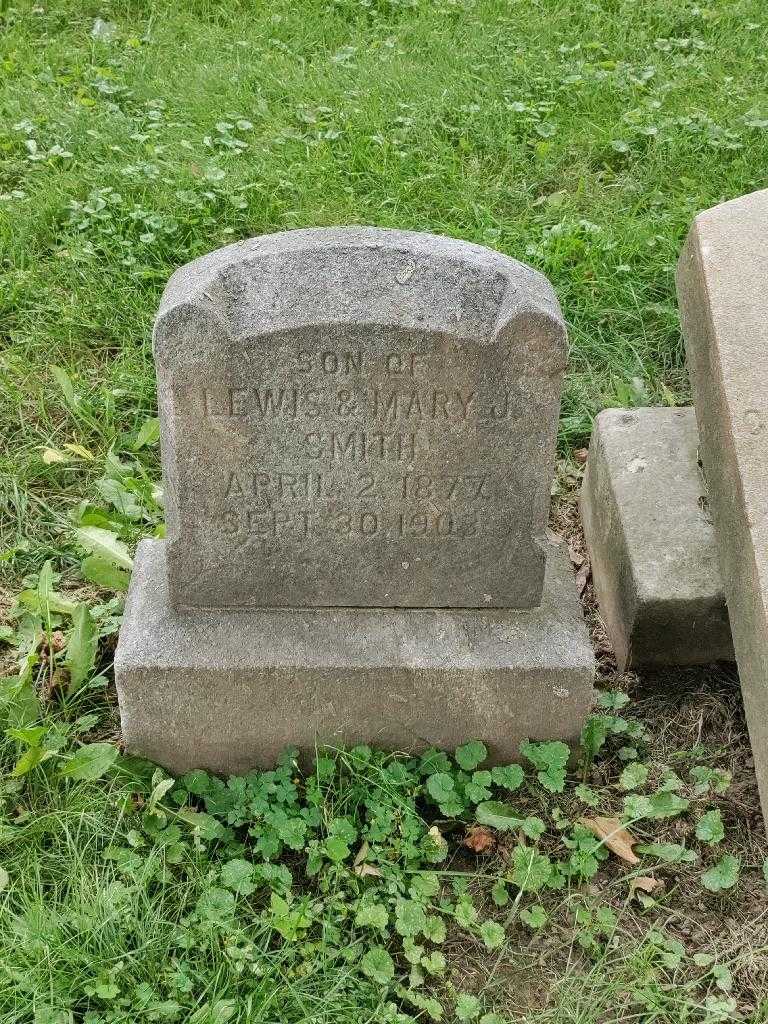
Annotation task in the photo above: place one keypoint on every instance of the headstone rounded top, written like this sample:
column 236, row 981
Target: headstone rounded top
column 370, row 275
column 358, row 417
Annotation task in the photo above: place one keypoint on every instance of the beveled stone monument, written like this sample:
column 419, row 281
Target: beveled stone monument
column 358, row 430
column 722, row 286
column 651, row 542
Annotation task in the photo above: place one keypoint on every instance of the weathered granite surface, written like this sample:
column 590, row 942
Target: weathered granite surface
column 358, row 417
column 651, row 541
column 358, row 431
column 227, row 691
column 722, row 283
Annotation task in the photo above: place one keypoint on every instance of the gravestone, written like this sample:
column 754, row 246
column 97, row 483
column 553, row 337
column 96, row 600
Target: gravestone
column 357, row 430
column 343, row 403
column 651, row 541
column 722, row 284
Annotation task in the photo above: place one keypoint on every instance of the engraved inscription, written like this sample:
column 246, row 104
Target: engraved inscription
column 381, row 448
column 361, row 418
column 377, row 405
column 358, row 450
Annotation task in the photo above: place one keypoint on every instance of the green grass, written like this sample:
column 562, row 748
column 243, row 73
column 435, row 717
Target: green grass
column 119, row 906
column 580, row 137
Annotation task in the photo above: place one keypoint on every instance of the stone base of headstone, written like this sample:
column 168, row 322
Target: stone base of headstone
column 227, row 691
column 651, row 541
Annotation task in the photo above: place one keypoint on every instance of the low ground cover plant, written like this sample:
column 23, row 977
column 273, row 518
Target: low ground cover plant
column 621, row 883
column 579, row 136
column 355, row 884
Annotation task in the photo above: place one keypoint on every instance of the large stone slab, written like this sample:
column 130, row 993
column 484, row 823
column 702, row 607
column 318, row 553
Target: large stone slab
column 722, row 283
column 651, row 541
column 228, row 691
column 358, row 431
column 358, row 417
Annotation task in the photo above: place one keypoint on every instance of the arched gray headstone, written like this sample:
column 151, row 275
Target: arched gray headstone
column 358, row 417
column 358, row 437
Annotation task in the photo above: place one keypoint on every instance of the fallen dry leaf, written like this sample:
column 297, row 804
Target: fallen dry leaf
column 80, row 451
column 576, row 557
column 57, row 680
column 362, row 853
column 366, row 870
column 437, row 837
column 51, row 455
column 582, row 576
column 361, row 869
column 480, row 839
column 644, row 882
column 614, row 836
column 642, row 887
